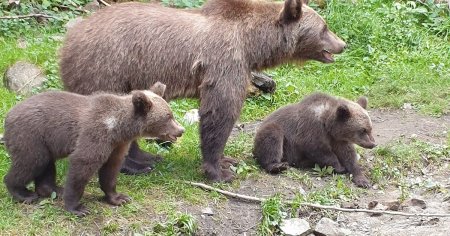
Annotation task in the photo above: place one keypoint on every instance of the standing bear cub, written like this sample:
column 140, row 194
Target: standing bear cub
column 207, row 53
column 94, row 131
column 319, row 130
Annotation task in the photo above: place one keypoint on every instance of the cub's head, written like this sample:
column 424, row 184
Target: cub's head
column 155, row 114
column 309, row 31
column 351, row 122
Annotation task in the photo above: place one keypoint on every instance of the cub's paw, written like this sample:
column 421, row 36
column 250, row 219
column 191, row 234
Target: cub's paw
column 117, row 199
column 226, row 162
column 79, row 210
column 227, row 176
column 361, row 181
column 277, row 167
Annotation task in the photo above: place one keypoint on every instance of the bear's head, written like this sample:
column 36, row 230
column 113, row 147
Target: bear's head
column 350, row 122
column 155, row 115
column 309, row 32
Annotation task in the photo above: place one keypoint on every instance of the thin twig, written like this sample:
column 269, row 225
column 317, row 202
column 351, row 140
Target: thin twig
column 26, row 16
column 226, row 193
column 104, row 3
column 29, row 81
column 259, row 200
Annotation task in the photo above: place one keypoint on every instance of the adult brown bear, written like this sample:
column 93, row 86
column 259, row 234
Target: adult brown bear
column 207, row 54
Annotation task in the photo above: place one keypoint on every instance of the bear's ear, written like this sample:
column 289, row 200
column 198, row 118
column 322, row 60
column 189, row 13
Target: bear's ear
column 158, row 88
column 141, row 103
column 343, row 113
column 292, row 11
column 362, row 101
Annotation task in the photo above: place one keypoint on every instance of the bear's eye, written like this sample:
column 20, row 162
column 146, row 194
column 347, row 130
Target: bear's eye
column 363, row 130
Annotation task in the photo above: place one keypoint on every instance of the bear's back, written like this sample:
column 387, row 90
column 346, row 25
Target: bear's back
column 303, row 122
column 133, row 45
column 49, row 118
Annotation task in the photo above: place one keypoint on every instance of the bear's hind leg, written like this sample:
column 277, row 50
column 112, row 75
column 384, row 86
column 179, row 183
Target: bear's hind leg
column 24, row 169
column 268, row 148
column 45, row 183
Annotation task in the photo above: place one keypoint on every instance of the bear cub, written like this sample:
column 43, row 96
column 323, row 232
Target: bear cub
column 320, row 129
column 93, row 131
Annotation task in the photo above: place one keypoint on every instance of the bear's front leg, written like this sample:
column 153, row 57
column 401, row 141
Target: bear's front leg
column 220, row 106
column 84, row 162
column 346, row 154
column 108, row 176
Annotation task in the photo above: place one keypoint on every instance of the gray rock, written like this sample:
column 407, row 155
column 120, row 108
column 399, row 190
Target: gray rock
column 328, row 227
column 295, row 226
column 72, row 22
column 207, row 211
column 418, row 203
column 22, row 77
column 192, row 116
column 92, row 6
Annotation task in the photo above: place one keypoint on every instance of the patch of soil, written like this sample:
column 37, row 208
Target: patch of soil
column 235, row 217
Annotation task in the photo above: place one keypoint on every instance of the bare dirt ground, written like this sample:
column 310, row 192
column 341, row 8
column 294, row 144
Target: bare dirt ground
column 235, row 217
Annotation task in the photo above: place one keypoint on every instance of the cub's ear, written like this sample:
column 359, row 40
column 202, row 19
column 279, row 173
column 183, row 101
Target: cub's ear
column 362, row 101
column 292, row 11
column 343, row 113
column 141, row 103
column 158, row 88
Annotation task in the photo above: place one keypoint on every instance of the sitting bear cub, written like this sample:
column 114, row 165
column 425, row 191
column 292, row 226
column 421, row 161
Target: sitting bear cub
column 318, row 130
column 94, row 131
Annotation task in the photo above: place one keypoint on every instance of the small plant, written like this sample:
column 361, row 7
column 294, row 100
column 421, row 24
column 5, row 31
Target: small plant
column 59, row 11
column 272, row 214
column 396, row 160
column 243, row 168
column 301, row 177
column 178, row 224
column 322, row 172
column 337, row 190
column 112, row 227
column 432, row 15
column 404, row 191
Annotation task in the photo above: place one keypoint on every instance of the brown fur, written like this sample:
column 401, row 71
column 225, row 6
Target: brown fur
column 206, row 53
column 94, row 131
column 319, row 130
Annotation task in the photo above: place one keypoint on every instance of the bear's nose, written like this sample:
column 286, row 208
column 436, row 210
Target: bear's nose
column 181, row 131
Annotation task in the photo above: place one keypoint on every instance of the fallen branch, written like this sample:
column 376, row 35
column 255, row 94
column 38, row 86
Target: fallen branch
column 318, row 206
column 26, row 16
column 226, row 193
column 104, row 3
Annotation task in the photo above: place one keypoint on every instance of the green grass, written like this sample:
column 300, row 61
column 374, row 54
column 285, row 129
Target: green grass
column 392, row 57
